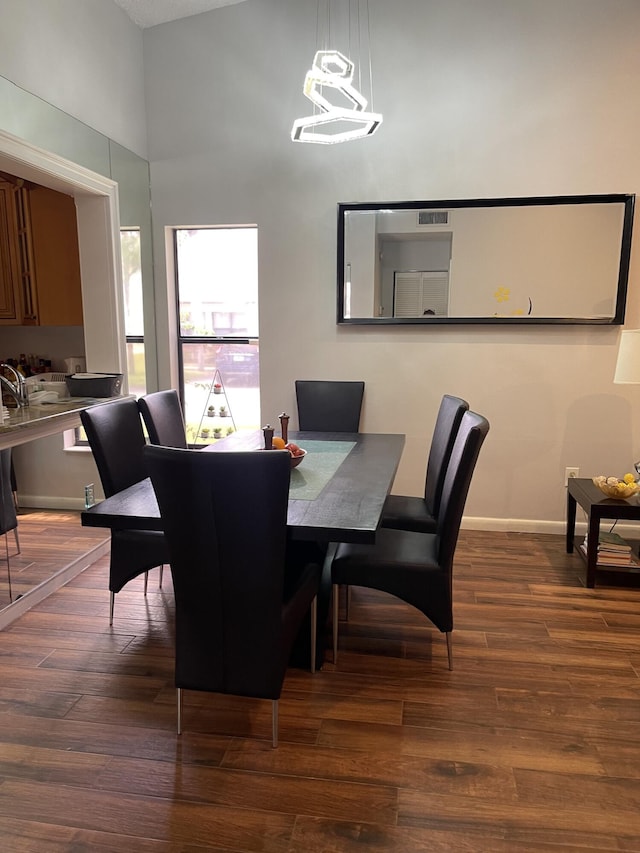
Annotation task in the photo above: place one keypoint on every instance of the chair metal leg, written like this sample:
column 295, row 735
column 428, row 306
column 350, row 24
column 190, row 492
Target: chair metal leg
column 160, row 579
column 15, row 533
column 179, row 692
column 449, row 649
column 314, row 628
column 274, row 723
column 146, row 582
column 112, row 601
column 335, row 592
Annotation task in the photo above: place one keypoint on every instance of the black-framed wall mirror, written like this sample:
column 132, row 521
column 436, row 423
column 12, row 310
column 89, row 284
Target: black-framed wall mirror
column 556, row 259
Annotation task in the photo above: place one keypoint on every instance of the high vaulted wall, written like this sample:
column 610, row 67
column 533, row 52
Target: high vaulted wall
column 481, row 98
column 82, row 56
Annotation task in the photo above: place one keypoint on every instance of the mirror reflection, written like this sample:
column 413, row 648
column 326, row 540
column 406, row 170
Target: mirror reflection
column 51, row 540
column 561, row 259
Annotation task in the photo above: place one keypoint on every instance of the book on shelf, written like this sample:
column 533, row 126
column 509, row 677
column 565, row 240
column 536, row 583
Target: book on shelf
column 619, row 558
column 633, row 565
column 611, row 542
column 610, row 560
column 612, row 552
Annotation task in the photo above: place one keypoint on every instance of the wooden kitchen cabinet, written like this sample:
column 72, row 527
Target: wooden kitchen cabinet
column 10, row 310
column 42, row 257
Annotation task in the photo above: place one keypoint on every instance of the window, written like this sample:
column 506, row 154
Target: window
column 133, row 310
column 133, row 321
column 217, row 304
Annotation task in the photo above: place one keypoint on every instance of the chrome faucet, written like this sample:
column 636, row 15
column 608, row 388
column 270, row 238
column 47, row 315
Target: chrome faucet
column 17, row 389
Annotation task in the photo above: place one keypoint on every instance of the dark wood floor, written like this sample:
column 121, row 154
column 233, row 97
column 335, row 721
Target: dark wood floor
column 532, row 743
column 49, row 541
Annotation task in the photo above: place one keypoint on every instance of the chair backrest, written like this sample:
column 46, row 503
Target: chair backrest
column 8, row 516
column 162, row 414
column 462, row 462
column 444, row 434
column 115, row 435
column 328, row 406
column 225, row 521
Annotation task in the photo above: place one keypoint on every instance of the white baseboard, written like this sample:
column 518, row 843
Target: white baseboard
column 499, row 525
column 515, row 525
column 527, row 525
column 51, row 502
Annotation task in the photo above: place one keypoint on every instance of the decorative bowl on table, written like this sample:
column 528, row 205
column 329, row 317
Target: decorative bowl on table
column 612, row 487
column 296, row 453
column 297, row 458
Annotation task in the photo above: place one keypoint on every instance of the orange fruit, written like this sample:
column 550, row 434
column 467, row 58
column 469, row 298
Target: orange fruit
column 277, row 443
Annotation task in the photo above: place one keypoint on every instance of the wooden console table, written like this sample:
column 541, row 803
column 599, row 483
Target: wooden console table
column 597, row 506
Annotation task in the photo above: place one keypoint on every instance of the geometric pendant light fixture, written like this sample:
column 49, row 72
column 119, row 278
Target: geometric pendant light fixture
column 340, row 109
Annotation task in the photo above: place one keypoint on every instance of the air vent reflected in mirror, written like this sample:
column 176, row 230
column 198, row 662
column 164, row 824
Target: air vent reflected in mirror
column 433, row 217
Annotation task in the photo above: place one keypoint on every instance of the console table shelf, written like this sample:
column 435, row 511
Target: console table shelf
column 598, row 507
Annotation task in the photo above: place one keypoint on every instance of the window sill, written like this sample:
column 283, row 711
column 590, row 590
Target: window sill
column 70, row 444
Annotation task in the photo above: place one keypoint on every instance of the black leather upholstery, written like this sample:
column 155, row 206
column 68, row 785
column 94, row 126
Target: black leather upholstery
column 8, row 515
column 404, row 512
column 14, row 484
column 327, row 406
column 162, row 415
column 417, row 567
column 114, row 432
column 240, row 597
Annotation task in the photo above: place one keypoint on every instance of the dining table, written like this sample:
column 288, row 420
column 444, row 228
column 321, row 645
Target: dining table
column 336, row 494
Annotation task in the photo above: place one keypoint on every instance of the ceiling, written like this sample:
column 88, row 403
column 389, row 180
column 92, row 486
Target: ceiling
column 148, row 13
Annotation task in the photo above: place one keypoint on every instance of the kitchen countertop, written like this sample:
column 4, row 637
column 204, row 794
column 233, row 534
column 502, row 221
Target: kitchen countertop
column 37, row 421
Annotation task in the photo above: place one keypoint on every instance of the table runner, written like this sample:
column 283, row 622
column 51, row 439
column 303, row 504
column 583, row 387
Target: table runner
column 319, row 465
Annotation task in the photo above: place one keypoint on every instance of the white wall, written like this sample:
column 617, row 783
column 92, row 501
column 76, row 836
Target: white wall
column 360, row 237
column 82, row 56
column 565, row 258
column 480, row 98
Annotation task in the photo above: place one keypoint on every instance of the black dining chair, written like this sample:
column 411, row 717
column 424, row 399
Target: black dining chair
column 241, row 595
column 8, row 515
column 405, row 512
column 329, row 406
column 418, row 567
column 162, row 414
column 14, row 485
column 115, row 435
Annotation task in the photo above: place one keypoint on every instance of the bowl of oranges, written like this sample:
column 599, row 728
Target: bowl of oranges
column 297, row 453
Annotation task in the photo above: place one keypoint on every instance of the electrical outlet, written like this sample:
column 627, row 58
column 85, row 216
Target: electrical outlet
column 570, row 473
